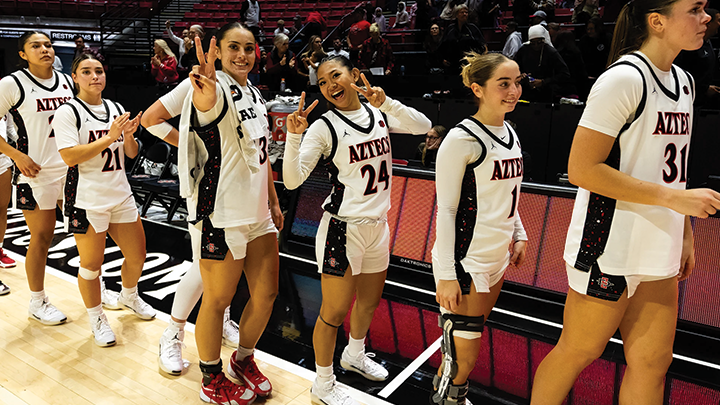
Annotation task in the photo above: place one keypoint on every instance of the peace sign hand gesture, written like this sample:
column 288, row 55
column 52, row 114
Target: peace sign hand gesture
column 203, row 76
column 297, row 121
column 374, row 95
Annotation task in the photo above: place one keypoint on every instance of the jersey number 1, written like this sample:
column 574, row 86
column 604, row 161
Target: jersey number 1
column 383, row 177
column 108, row 155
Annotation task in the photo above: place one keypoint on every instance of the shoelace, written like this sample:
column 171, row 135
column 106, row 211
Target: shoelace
column 102, row 326
column 251, row 369
column 172, row 349
column 369, row 364
column 337, row 393
column 48, row 308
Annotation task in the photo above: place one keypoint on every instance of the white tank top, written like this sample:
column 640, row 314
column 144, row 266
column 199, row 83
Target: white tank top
column 33, row 114
column 360, row 166
column 100, row 183
column 625, row 238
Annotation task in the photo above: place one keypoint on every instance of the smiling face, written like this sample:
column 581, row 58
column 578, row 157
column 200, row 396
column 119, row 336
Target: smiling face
column 89, row 77
column 685, row 25
column 38, row 51
column 503, row 90
column 335, row 81
column 237, row 53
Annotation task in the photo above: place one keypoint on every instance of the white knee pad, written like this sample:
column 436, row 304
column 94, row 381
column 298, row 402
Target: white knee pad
column 88, row 274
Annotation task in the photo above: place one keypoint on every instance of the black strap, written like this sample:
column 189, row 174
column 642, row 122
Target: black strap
column 483, row 154
column 77, row 115
column 335, row 140
column 22, row 92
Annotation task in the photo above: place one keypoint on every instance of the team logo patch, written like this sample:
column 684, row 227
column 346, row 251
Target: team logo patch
column 23, row 200
column 211, row 247
column 685, row 89
column 382, row 124
column 605, row 283
column 75, row 223
column 332, row 262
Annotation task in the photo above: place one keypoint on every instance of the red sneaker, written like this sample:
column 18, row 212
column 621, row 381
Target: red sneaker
column 223, row 391
column 249, row 373
column 5, row 261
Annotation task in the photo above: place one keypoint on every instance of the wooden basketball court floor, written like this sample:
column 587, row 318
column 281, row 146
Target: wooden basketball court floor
column 62, row 365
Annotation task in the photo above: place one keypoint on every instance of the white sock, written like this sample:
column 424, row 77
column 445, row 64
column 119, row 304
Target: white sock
column 176, row 326
column 356, row 346
column 243, row 352
column 324, row 373
column 95, row 312
column 126, row 292
column 38, row 296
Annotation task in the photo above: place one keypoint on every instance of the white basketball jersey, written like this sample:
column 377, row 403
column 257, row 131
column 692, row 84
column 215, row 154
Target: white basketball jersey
column 488, row 203
column 360, row 166
column 5, row 162
column 240, row 197
column 100, row 183
column 625, row 238
column 33, row 114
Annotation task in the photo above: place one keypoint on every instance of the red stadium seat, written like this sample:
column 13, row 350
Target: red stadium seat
column 190, row 16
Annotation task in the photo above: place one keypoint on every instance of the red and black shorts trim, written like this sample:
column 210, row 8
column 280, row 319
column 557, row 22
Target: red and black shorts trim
column 605, row 286
column 335, row 260
column 24, row 198
column 212, row 244
column 77, row 220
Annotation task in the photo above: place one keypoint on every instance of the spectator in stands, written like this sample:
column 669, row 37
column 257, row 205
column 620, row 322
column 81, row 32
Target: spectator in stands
column 546, row 76
column 379, row 19
column 513, row 41
column 57, row 65
column 250, row 13
column 424, row 15
column 298, row 33
column 302, row 60
column 337, row 49
column 568, row 50
column 81, row 48
column 461, row 37
column 164, row 63
column 313, row 63
column 701, row 63
column 376, row 52
column 431, row 44
column 280, row 63
column 553, row 29
column 538, row 18
column 315, row 24
column 449, row 12
column 179, row 41
column 402, row 18
column 595, row 47
column 254, row 75
column 427, row 151
column 281, row 28
column 263, row 60
column 190, row 58
column 488, row 13
column 521, row 11
column 357, row 34
column 546, row 6
column 590, row 7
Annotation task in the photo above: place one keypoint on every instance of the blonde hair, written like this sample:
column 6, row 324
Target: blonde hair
column 374, row 28
column 479, row 68
column 165, row 48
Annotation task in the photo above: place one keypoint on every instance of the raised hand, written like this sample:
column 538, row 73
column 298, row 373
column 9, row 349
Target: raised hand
column 116, row 128
column 203, row 76
column 297, row 121
column 131, row 125
column 374, row 95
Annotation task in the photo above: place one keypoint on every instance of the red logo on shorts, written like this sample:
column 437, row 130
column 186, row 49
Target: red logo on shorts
column 23, row 200
column 332, row 262
column 75, row 222
column 604, row 283
column 211, row 247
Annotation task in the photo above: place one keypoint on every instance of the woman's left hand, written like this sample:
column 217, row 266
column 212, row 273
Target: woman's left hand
column 131, row 126
column 374, row 95
column 277, row 216
column 155, row 61
column 518, row 255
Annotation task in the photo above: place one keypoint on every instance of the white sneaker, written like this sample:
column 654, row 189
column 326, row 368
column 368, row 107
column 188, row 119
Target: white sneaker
column 363, row 365
column 45, row 313
column 170, row 356
column 330, row 393
column 4, row 289
column 141, row 308
column 104, row 336
column 231, row 331
column 109, row 297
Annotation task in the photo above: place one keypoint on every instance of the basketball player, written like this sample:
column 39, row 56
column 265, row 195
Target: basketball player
column 478, row 175
column 5, row 193
column 223, row 159
column 630, row 238
column 352, row 244
column 93, row 135
column 190, row 287
column 32, row 95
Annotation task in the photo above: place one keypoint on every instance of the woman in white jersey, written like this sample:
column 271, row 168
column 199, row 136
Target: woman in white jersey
column 352, row 244
column 93, row 136
column 5, row 194
column 32, row 95
column 190, row 287
column 630, row 238
column 226, row 177
column 478, row 175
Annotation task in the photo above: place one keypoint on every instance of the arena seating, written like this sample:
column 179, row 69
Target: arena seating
column 83, row 9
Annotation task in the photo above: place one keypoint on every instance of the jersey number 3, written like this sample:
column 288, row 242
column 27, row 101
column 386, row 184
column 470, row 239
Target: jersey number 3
column 382, row 177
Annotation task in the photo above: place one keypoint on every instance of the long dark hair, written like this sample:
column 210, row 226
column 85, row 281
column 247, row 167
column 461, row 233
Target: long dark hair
column 24, row 38
column 631, row 28
column 220, row 35
column 344, row 62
